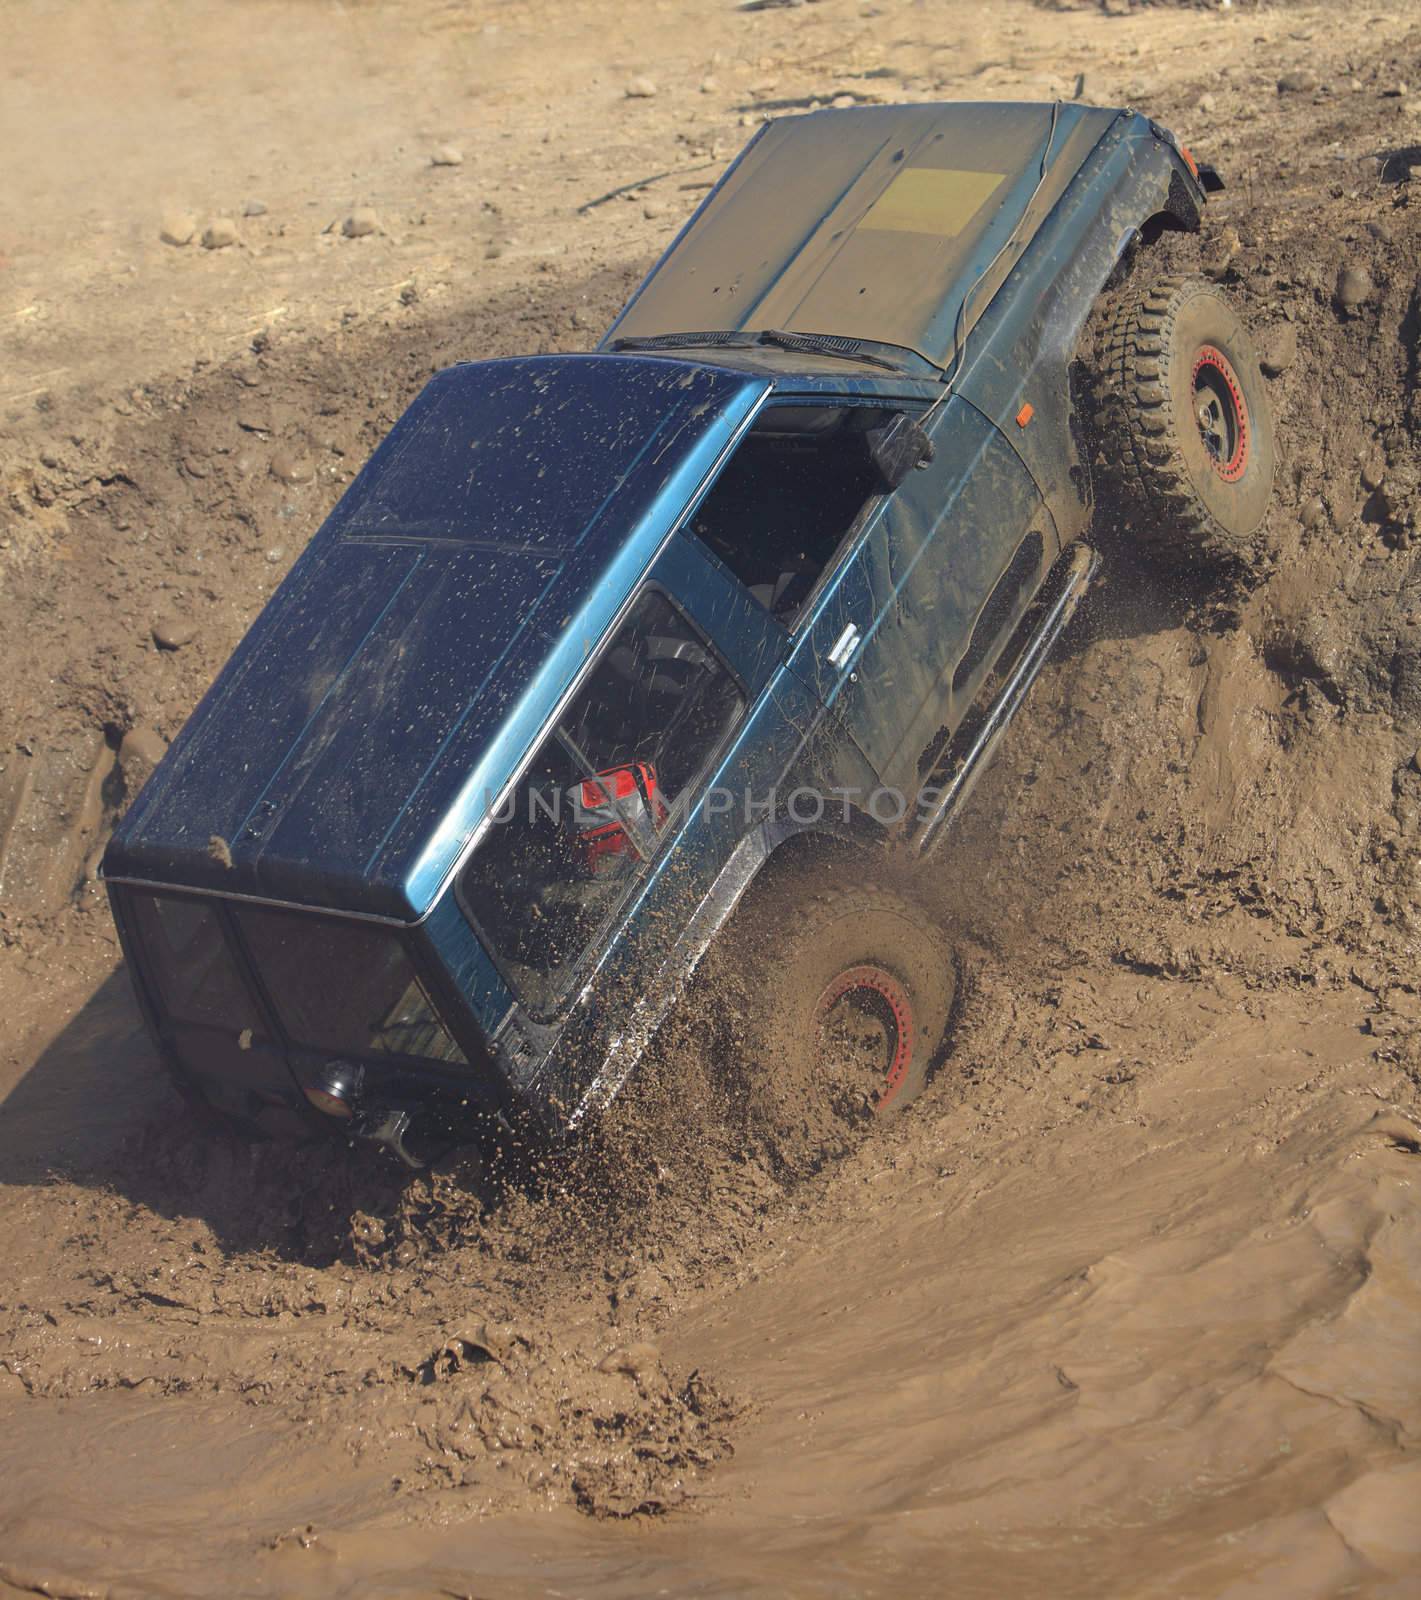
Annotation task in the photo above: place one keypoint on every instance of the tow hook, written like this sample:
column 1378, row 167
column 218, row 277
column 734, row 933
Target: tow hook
column 389, row 1128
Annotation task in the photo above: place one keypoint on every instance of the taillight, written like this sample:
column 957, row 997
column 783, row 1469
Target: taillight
column 336, row 1090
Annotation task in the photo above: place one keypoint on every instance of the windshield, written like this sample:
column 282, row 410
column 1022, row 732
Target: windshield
column 603, row 791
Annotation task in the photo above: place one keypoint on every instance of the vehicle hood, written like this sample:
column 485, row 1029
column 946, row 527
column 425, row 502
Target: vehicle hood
column 869, row 224
column 387, row 691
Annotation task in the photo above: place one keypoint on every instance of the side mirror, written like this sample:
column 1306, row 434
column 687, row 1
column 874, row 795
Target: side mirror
column 896, row 448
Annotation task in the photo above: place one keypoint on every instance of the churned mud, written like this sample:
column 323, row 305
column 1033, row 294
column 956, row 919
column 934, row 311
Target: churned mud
column 1127, row 1303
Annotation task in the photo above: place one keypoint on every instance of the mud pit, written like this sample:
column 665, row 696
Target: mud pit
column 1127, row 1304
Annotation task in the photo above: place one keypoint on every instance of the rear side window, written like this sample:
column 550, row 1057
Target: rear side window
column 601, row 793
column 187, row 955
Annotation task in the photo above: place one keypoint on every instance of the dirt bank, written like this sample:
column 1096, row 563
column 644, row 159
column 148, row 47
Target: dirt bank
column 1126, row 1305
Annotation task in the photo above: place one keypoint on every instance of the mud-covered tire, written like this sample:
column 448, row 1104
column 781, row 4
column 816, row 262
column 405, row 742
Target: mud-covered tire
column 815, row 958
column 1182, row 426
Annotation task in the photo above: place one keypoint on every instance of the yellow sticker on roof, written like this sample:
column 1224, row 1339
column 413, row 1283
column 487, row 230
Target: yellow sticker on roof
column 936, row 200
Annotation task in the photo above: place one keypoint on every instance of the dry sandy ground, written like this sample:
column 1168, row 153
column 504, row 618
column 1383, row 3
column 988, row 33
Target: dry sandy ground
column 1128, row 1304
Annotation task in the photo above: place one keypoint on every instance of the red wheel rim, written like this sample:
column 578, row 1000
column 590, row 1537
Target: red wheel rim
column 1220, row 413
column 870, row 988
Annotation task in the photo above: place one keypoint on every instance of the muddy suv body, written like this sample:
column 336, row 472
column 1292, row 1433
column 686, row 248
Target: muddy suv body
column 592, row 636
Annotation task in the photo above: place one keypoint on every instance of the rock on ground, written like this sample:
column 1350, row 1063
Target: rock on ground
column 1354, row 286
column 172, row 633
column 1277, row 349
column 177, row 228
column 219, row 233
column 291, row 466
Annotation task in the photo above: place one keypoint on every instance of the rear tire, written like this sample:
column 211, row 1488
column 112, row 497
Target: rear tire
column 839, row 998
column 1183, row 427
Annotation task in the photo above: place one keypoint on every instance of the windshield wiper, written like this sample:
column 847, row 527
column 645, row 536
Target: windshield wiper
column 686, row 341
column 824, row 344
column 819, row 344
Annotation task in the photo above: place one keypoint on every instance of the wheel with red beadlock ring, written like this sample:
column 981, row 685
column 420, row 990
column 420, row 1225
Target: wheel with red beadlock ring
column 1183, row 426
column 841, row 994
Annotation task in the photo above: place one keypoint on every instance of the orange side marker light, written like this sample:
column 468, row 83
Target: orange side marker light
column 1027, row 412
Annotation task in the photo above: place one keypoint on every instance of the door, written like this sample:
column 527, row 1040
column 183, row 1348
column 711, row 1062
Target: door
column 207, row 1015
column 895, row 620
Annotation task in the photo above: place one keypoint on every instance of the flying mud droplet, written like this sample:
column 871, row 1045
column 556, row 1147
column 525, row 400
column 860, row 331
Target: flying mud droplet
column 220, row 850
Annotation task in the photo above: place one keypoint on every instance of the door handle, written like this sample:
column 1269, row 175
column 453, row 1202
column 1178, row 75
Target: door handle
column 844, row 646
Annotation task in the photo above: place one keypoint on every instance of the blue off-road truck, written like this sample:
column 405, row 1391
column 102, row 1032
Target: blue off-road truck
column 607, row 659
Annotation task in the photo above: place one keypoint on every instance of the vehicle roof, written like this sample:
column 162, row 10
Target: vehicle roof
column 872, row 223
column 410, row 658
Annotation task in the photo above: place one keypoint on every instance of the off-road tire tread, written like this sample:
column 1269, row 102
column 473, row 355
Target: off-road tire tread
column 1145, row 482
column 777, row 931
column 835, row 899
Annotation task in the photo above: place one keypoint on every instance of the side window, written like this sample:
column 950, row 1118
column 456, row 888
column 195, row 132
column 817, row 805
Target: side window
column 601, row 792
column 787, row 498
